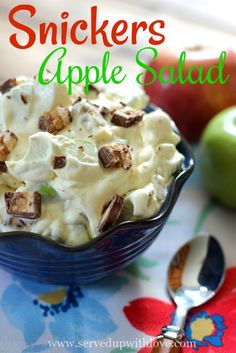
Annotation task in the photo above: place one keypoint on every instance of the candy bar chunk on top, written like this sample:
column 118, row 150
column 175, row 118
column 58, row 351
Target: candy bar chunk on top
column 93, row 91
column 59, row 162
column 16, row 222
column 116, row 156
column 104, row 111
column 3, row 167
column 127, row 117
column 55, row 121
column 77, row 100
column 8, row 85
column 23, row 204
column 112, row 213
column 8, row 141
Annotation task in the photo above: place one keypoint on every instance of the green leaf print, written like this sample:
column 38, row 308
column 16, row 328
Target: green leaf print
column 144, row 262
column 173, row 222
column 203, row 214
column 136, row 269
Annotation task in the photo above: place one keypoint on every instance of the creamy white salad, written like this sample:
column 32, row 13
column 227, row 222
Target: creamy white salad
column 72, row 167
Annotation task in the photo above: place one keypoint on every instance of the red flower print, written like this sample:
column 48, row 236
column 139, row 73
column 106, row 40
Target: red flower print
column 148, row 314
column 211, row 327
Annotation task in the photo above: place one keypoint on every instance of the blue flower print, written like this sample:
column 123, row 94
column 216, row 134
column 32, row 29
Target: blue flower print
column 213, row 329
column 69, row 313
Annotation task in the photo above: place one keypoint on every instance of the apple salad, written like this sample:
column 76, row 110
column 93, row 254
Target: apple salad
column 72, row 167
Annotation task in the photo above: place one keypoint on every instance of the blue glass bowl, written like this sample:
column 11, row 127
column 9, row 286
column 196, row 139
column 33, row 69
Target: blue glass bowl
column 36, row 258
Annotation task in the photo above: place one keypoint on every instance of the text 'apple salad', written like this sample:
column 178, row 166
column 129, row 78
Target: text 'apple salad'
column 72, row 167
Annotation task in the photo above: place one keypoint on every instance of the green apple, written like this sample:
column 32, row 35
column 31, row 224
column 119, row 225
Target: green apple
column 218, row 157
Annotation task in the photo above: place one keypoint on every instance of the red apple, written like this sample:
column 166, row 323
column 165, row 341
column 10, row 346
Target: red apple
column 192, row 105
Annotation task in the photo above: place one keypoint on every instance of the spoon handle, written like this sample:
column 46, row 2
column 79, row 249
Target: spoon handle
column 169, row 340
column 165, row 345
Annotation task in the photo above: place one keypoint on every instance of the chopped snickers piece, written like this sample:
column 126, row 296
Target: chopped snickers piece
column 3, row 151
column 104, row 111
column 23, row 204
column 79, row 99
column 24, row 98
column 93, row 89
column 59, row 162
column 8, row 85
column 115, row 156
column 81, row 148
column 55, row 121
column 3, row 167
column 15, row 222
column 111, row 213
column 127, row 117
column 8, row 141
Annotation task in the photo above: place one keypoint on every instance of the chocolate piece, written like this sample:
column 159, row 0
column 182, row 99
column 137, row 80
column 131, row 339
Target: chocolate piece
column 127, row 117
column 104, row 111
column 23, row 204
column 15, row 222
column 79, row 99
column 59, row 162
column 24, row 98
column 115, row 156
column 8, row 85
column 94, row 89
column 3, row 151
column 3, row 167
column 111, row 213
column 81, row 148
column 8, row 141
column 55, row 121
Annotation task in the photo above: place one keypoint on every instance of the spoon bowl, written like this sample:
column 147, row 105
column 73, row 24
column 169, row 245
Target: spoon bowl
column 195, row 274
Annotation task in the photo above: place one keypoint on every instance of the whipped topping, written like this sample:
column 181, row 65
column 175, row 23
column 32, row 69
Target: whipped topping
column 78, row 190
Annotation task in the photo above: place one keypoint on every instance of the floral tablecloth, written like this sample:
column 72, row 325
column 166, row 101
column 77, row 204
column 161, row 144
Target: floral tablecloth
column 123, row 313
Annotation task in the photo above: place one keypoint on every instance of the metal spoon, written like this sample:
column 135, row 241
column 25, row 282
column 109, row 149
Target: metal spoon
column 195, row 274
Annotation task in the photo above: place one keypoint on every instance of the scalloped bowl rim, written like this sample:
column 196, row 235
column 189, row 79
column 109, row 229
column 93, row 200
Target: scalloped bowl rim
column 165, row 209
